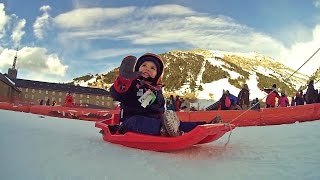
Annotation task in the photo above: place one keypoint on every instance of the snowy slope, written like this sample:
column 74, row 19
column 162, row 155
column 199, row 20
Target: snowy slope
column 61, row 149
column 251, row 63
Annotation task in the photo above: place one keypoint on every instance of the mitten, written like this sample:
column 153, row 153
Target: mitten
column 126, row 74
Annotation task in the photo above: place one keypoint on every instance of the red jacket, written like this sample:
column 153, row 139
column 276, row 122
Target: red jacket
column 271, row 97
column 69, row 101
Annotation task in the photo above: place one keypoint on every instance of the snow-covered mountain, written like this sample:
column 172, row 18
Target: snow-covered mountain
column 204, row 74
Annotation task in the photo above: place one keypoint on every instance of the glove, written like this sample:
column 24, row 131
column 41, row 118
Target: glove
column 126, row 69
column 126, row 74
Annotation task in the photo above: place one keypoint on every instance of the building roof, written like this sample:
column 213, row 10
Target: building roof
column 58, row 87
column 8, row 81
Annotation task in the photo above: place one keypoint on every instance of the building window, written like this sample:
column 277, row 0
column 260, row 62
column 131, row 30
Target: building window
column 108, row 103
column 102, row 103
column 97, row 97
column 102, row 97
column 46, row 92
column 60, row 93
column 26, row 89
column 60, row 100
column 81, row 95
column 39, row 91
column 26, row 96
column 88, row 101
column 33, row 90
column 74, row 95
column 88, row 96
column 32, row 96
column 97, row 102
column 53, row 93
column 80, row 101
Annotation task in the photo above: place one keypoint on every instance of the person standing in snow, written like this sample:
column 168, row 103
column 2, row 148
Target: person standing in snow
column 224, row 101
column 178, row 103
column 171, row 103
column 48, row 102
column 283, row 100
column 69, row 101
column 271, row 97
column 298, row 100
column 311, row 94
column 243, row 97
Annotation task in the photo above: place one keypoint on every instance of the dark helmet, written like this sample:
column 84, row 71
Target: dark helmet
column 157, row 60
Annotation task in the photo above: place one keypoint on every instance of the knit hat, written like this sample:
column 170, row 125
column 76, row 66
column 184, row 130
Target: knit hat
column 156, row 60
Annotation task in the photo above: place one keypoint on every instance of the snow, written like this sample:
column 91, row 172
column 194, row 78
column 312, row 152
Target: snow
column 63, row 149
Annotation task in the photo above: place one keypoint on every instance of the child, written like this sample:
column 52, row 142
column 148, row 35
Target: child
column 138, row 89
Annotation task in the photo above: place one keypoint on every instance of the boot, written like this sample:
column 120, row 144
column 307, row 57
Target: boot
column 171, row 123
column 113, row 129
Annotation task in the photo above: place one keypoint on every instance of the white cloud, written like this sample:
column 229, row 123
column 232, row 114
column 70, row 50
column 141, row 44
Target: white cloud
column 4, row 19
column 316, row 3
column 143, row 26
column 169, row 9
column 34, row 59
column 90, row 17
column 18, row 32
column 55, row 66
column 299, row 53
column 41, row 22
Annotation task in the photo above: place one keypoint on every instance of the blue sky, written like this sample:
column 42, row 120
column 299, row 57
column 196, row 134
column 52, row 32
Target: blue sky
column 59, row 40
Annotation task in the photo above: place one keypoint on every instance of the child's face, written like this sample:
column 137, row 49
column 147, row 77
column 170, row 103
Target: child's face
column 148, row 69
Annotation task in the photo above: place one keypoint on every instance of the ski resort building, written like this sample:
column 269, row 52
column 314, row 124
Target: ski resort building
column 26, row 91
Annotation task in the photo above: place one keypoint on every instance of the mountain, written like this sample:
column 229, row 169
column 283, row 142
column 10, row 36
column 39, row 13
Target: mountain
column 204, row 74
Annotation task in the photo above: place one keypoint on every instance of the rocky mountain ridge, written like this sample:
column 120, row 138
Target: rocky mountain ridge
column 188, row 73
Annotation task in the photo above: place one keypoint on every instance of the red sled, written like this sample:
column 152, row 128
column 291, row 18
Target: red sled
column 199, row 135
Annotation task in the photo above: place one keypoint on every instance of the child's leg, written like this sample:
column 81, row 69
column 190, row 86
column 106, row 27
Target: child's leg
column 143, row 124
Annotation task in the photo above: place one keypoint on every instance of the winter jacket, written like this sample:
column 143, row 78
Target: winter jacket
column 233, row 99
column 283, row 101
column 69, row 101
column 243, row 97
column 311, row 94
column 271, row 97
column 130, row 104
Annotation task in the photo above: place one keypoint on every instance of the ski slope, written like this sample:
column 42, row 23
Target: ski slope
column 52, row 148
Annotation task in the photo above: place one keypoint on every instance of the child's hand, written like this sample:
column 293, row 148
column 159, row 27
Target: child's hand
column 126, row 74
column 126, row 69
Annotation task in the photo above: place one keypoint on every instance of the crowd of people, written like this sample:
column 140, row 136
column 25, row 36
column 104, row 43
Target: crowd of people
column 177, row 104
column 274, row 99
column 47, row 103
column 69, row 101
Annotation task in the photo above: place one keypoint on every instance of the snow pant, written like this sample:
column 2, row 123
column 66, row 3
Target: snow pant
column 143, row 125
column 152, row 126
